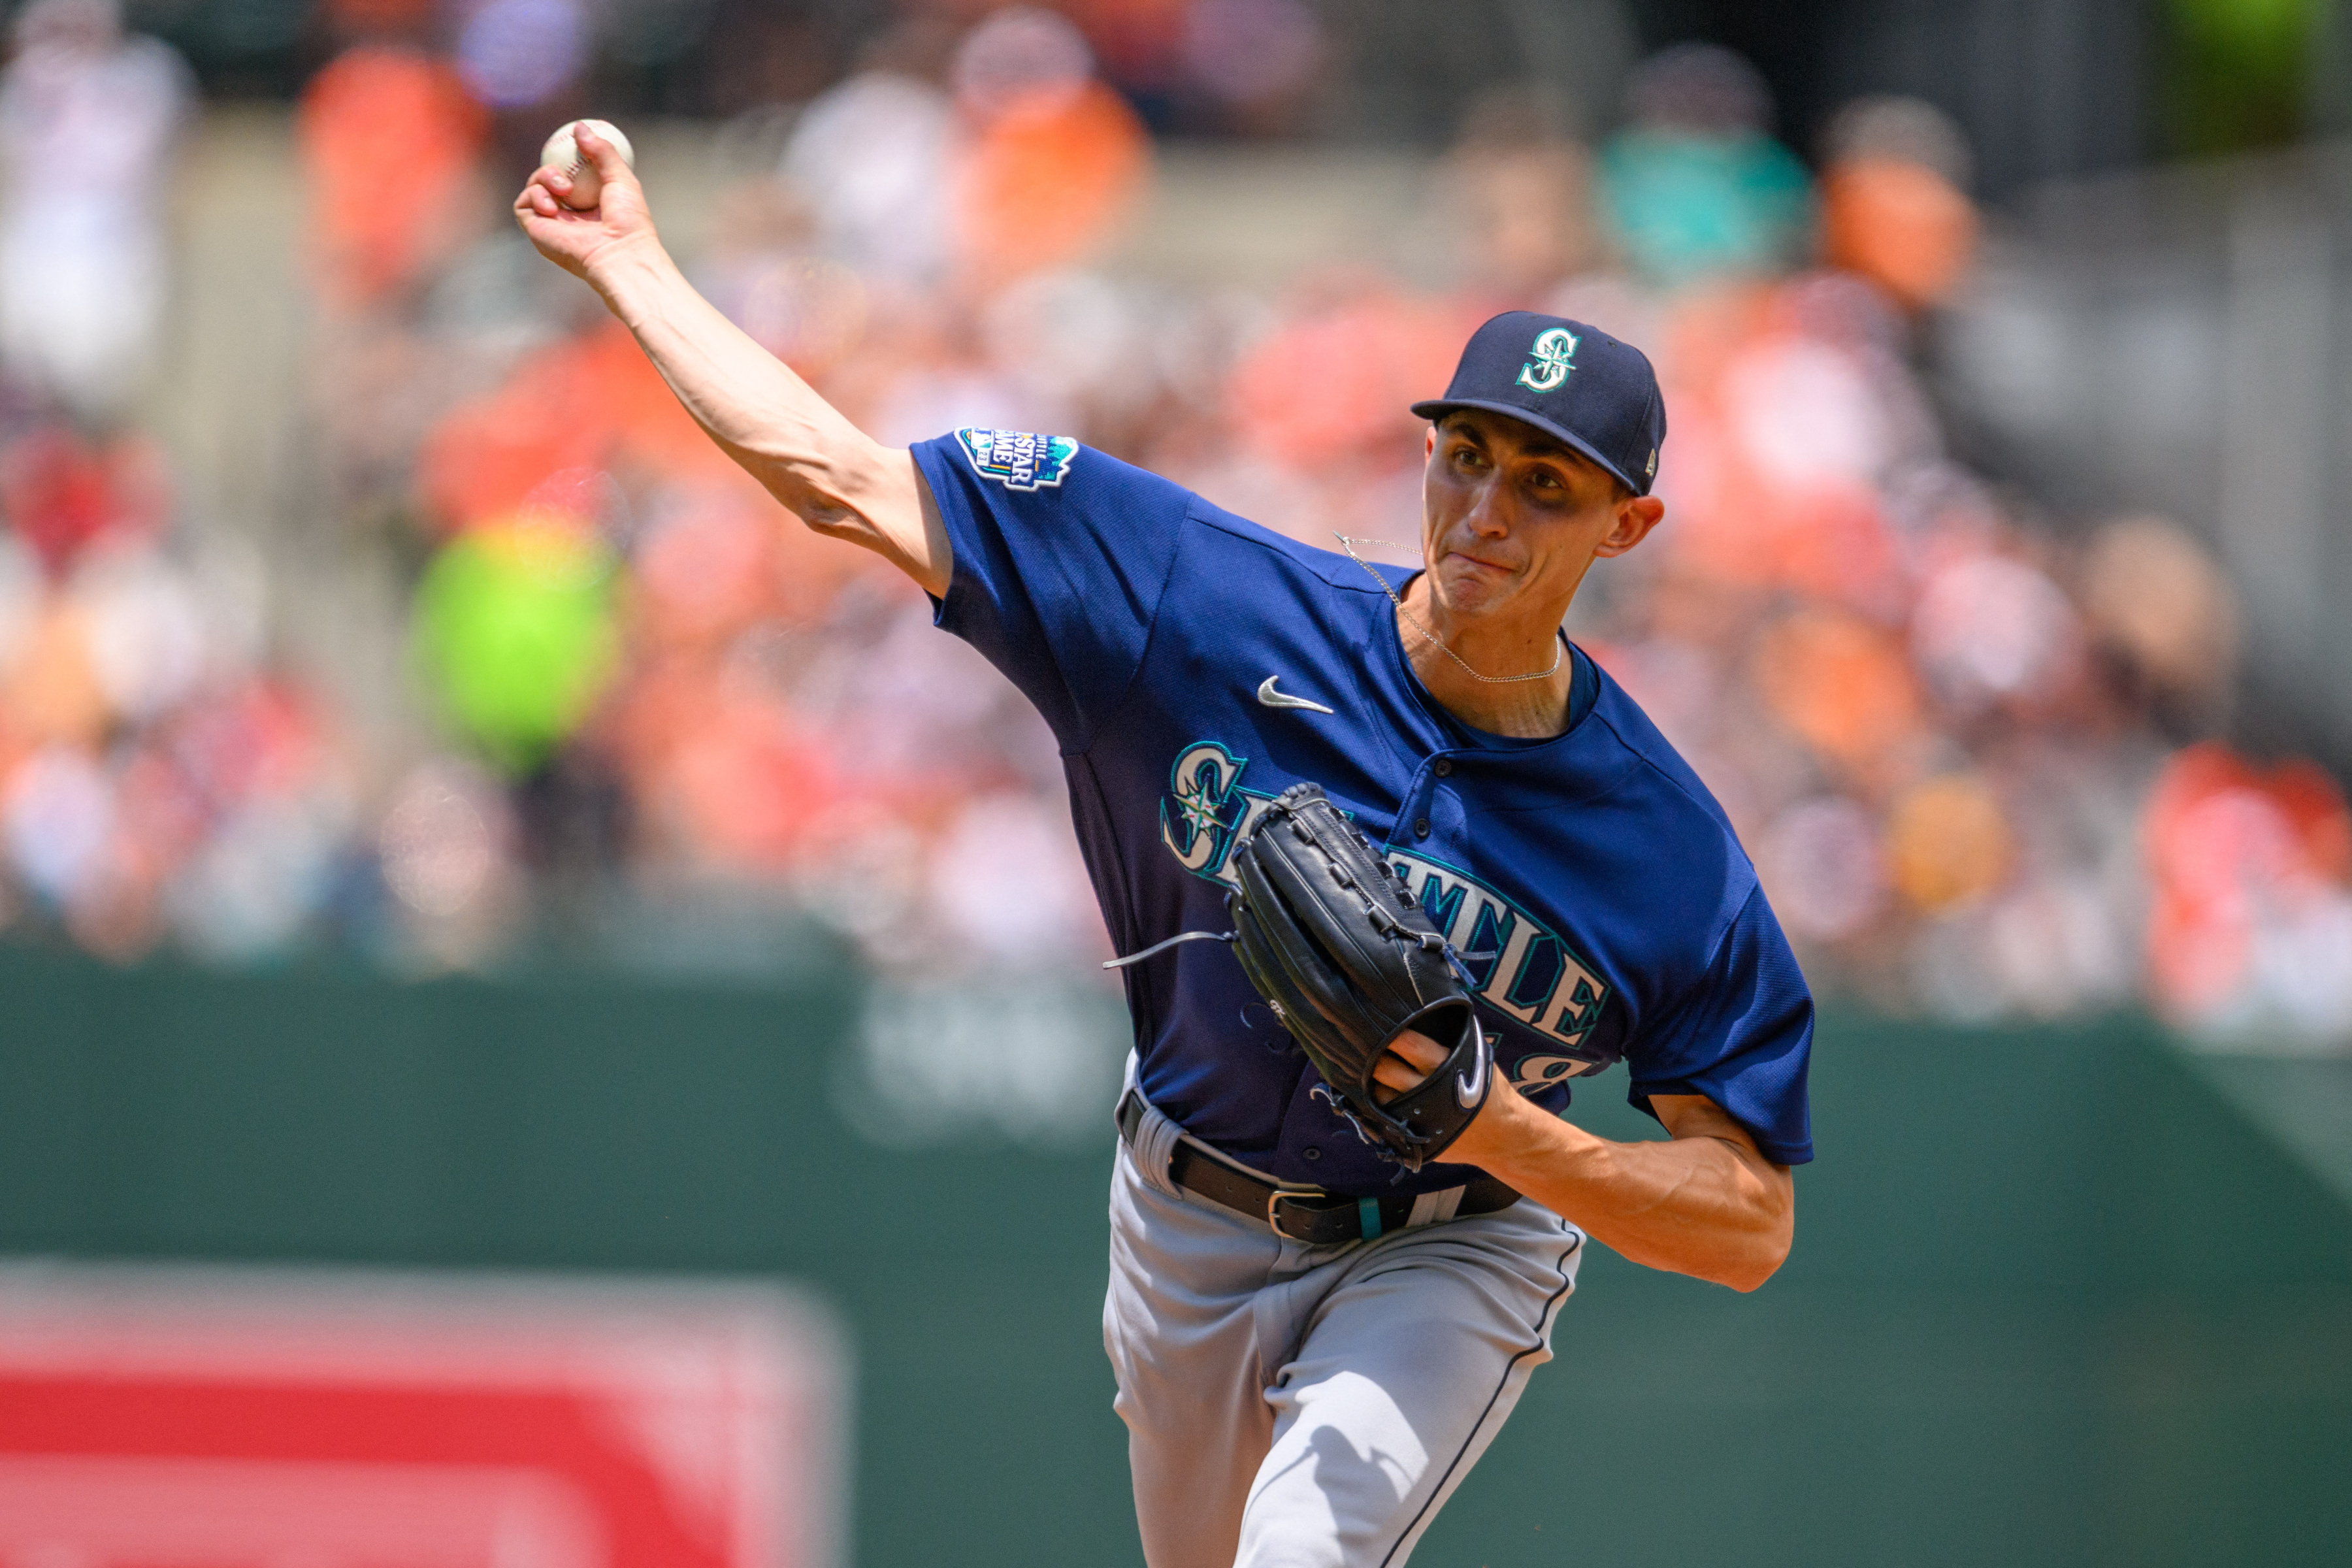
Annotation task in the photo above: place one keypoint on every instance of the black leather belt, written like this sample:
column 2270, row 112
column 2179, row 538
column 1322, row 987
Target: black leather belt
column 1302, row 1214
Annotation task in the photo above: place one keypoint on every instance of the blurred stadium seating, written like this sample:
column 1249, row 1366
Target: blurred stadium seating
column 494, row 645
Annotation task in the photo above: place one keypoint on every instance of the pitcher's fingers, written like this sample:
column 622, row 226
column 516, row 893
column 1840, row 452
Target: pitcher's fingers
column 608, row 158
column 1419, row 1049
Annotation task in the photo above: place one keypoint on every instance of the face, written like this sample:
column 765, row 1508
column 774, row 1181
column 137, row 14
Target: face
column 1511, row 520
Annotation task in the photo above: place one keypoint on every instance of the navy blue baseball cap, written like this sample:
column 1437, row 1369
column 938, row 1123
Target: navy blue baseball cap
column 1576, row 384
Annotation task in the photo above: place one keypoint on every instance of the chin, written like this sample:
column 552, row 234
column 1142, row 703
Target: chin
column 1473, row 590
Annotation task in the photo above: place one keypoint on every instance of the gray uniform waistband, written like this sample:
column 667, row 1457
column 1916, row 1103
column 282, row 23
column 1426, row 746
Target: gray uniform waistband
column 1169, row 1157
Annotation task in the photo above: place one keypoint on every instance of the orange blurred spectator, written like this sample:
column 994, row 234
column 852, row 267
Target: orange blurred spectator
column 704, row 570
column 390, row 142
column 52, row 692
column 1894, row 207
column 586, row 404
column 1840, row 684
column 745, row 788
column 1054, row 160
column 1949, row 842
column 1337, row 381
column 1902, row 226
column 1047, row 181
column 728, row 778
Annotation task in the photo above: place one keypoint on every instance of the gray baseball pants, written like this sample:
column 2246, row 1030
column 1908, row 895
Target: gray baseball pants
column 1295, row 1407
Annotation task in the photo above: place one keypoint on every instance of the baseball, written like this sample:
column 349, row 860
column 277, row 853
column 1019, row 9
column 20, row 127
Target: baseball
column 561, row 154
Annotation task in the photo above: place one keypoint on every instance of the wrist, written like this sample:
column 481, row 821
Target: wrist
column 1497, row 1132
column 1511, row 1137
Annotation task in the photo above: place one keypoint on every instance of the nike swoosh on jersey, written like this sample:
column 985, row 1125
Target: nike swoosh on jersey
column 1270, row 698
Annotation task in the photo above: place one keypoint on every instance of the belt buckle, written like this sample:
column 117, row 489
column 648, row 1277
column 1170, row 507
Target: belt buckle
column 1300, row 1191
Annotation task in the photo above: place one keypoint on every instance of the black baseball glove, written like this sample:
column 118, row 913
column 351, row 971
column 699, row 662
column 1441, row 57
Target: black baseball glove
column 1349, row 961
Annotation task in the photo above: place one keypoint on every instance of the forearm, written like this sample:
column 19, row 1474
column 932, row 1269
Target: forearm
column 809, row 456
column 1700, row 1205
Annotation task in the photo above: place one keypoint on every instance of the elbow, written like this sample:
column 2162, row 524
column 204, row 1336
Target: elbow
column 1768, row 1248
column 821, row 514
column 1761, row 1266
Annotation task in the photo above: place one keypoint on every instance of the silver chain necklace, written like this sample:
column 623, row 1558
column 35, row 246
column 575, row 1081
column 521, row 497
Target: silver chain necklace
column 1560, row 645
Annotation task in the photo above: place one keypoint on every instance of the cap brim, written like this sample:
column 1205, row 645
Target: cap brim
column 1438, row 408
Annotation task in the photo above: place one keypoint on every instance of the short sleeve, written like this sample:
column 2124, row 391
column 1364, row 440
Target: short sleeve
column 1742, row 1036
column 1061, row 557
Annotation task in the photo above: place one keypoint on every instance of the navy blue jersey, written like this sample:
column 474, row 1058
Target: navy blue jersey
column 1617, row 917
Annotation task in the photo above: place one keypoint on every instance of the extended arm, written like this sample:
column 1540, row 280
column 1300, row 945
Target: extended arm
column 1705, row 1203
column 822, row 469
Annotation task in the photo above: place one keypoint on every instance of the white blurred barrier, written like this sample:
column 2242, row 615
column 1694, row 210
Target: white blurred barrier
column 2180, row 340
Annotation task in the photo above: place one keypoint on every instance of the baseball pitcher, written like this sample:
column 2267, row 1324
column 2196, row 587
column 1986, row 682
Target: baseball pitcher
column 1393, row 863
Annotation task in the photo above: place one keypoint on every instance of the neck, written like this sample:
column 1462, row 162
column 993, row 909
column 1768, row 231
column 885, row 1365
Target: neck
column 1528, row 709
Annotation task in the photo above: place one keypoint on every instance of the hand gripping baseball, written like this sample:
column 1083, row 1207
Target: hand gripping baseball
column 573, row 238
column 1347, row 961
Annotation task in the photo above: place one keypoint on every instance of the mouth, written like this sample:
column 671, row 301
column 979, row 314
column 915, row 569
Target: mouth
column 1500, row 568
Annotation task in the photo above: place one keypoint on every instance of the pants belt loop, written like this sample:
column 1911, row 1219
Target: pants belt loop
column 1151, row 1139
column 1431, row 1207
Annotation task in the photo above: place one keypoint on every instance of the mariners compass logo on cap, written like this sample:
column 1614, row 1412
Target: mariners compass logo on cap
column 1574, row 382
column 1555, row 352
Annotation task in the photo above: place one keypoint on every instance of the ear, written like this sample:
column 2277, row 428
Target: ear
column 1636, row 515
column 1429, row 443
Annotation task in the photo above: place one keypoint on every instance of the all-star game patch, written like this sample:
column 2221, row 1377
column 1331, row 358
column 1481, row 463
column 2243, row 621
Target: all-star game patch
column 1018, row 461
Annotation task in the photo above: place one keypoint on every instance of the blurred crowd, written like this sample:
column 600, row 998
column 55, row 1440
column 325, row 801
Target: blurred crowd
column 1972, row 747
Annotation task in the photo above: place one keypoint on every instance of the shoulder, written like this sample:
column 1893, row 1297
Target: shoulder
column 1614, row 710
column 1246, row 539
column 1021, row 470
column 1691, row 856
column 1018, row 471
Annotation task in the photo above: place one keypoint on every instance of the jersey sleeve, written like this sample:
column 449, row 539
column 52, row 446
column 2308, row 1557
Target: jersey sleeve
column 1061, row 556
column 1742, row 1036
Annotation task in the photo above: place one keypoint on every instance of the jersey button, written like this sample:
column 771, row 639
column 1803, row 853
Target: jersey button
column 1444, row 767
column 1420, row 828
column 1310, row 1152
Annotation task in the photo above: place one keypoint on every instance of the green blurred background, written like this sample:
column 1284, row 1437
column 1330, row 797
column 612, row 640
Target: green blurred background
column 2056, row 1298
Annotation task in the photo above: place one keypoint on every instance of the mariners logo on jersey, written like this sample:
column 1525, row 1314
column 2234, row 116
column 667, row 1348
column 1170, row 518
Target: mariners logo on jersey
column 1016, row 460
column 1522, row 968
column 1555, row 356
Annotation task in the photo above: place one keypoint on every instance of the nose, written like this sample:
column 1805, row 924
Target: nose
column 1486, row 514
